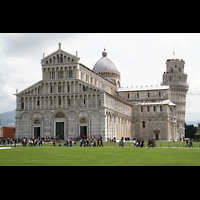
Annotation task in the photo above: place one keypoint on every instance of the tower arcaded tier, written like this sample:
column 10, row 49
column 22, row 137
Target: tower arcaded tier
column 177, row 80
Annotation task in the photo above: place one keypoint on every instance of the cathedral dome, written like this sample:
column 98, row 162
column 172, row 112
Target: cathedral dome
column 104, row 64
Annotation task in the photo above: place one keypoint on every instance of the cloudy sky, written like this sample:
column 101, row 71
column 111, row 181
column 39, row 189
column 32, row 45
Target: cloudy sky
column 140, row 57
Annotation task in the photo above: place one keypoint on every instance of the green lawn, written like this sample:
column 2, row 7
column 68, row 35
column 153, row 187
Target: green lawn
column 92, row 156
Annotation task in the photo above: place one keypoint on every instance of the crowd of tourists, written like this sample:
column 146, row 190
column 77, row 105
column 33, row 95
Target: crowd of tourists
column 32, row 142
column 10, row 141
column 92, row 142
column 84, row 142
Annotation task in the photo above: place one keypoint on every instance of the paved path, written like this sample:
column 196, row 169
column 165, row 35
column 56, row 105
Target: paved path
column 5, row 147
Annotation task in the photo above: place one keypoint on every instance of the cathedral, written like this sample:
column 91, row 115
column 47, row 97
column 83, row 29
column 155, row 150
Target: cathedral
column 73, row 100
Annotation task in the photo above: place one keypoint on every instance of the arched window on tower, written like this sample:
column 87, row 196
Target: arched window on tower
column 143, row 124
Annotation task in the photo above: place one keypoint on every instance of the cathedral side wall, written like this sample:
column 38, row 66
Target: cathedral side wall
column 144, row 95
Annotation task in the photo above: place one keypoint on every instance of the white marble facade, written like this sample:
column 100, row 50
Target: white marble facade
column 72, row 100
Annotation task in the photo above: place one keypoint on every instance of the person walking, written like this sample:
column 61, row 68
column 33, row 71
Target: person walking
column 15, row 142
column 101, row 142
column 54, row 142
column 60, row 143
column 122, row 142
column 187, row 145
column 142, row 142
column 134, row 143
column 81, row 142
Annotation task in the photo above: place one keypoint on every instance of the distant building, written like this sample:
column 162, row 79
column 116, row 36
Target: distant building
column 8, row 132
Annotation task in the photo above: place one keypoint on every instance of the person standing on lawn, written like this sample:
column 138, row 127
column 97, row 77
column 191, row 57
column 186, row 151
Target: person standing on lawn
column 54, row 142
column 81, row 142
column 122, row 142
column 101, row 142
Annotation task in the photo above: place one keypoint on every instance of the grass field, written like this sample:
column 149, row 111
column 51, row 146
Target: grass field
column 96, row 156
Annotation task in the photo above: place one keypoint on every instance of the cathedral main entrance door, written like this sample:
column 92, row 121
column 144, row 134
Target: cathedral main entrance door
column 36, row 132
column 60, row 130
column 83, row 132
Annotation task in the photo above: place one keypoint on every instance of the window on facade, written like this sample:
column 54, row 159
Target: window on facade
column 68, row 101
column 143, row 124
column 38, row 90
column 84, row 88
column 51, row 89
column 159, row 94
column 59, row 89
column 60, row 74
column 141, row 109
column 84, row 101
column 68, row 89
column 22, row 105
column 59, row 101
column 160, row 108
column 38, row 103
column 138, row 95
column 148, row 94
column 128, row 96
column 70, row 73
column 52, row 75
column 58, row 58
column 147, row 108
column 154, row 109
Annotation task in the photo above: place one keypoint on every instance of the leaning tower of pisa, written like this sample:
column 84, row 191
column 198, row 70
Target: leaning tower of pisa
column 177, row 80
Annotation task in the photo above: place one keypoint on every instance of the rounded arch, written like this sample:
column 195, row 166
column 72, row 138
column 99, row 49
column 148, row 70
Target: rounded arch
column 36, row 115
column 59, row 114
column 83, row 113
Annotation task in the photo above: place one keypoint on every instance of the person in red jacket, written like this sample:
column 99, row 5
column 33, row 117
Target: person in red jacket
column 54, row 142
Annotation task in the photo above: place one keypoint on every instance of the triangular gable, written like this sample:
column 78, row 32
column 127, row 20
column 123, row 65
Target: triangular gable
column 60, row 51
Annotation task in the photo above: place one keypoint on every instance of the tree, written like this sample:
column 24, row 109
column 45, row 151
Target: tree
column 197, row 136
column 190, row 131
